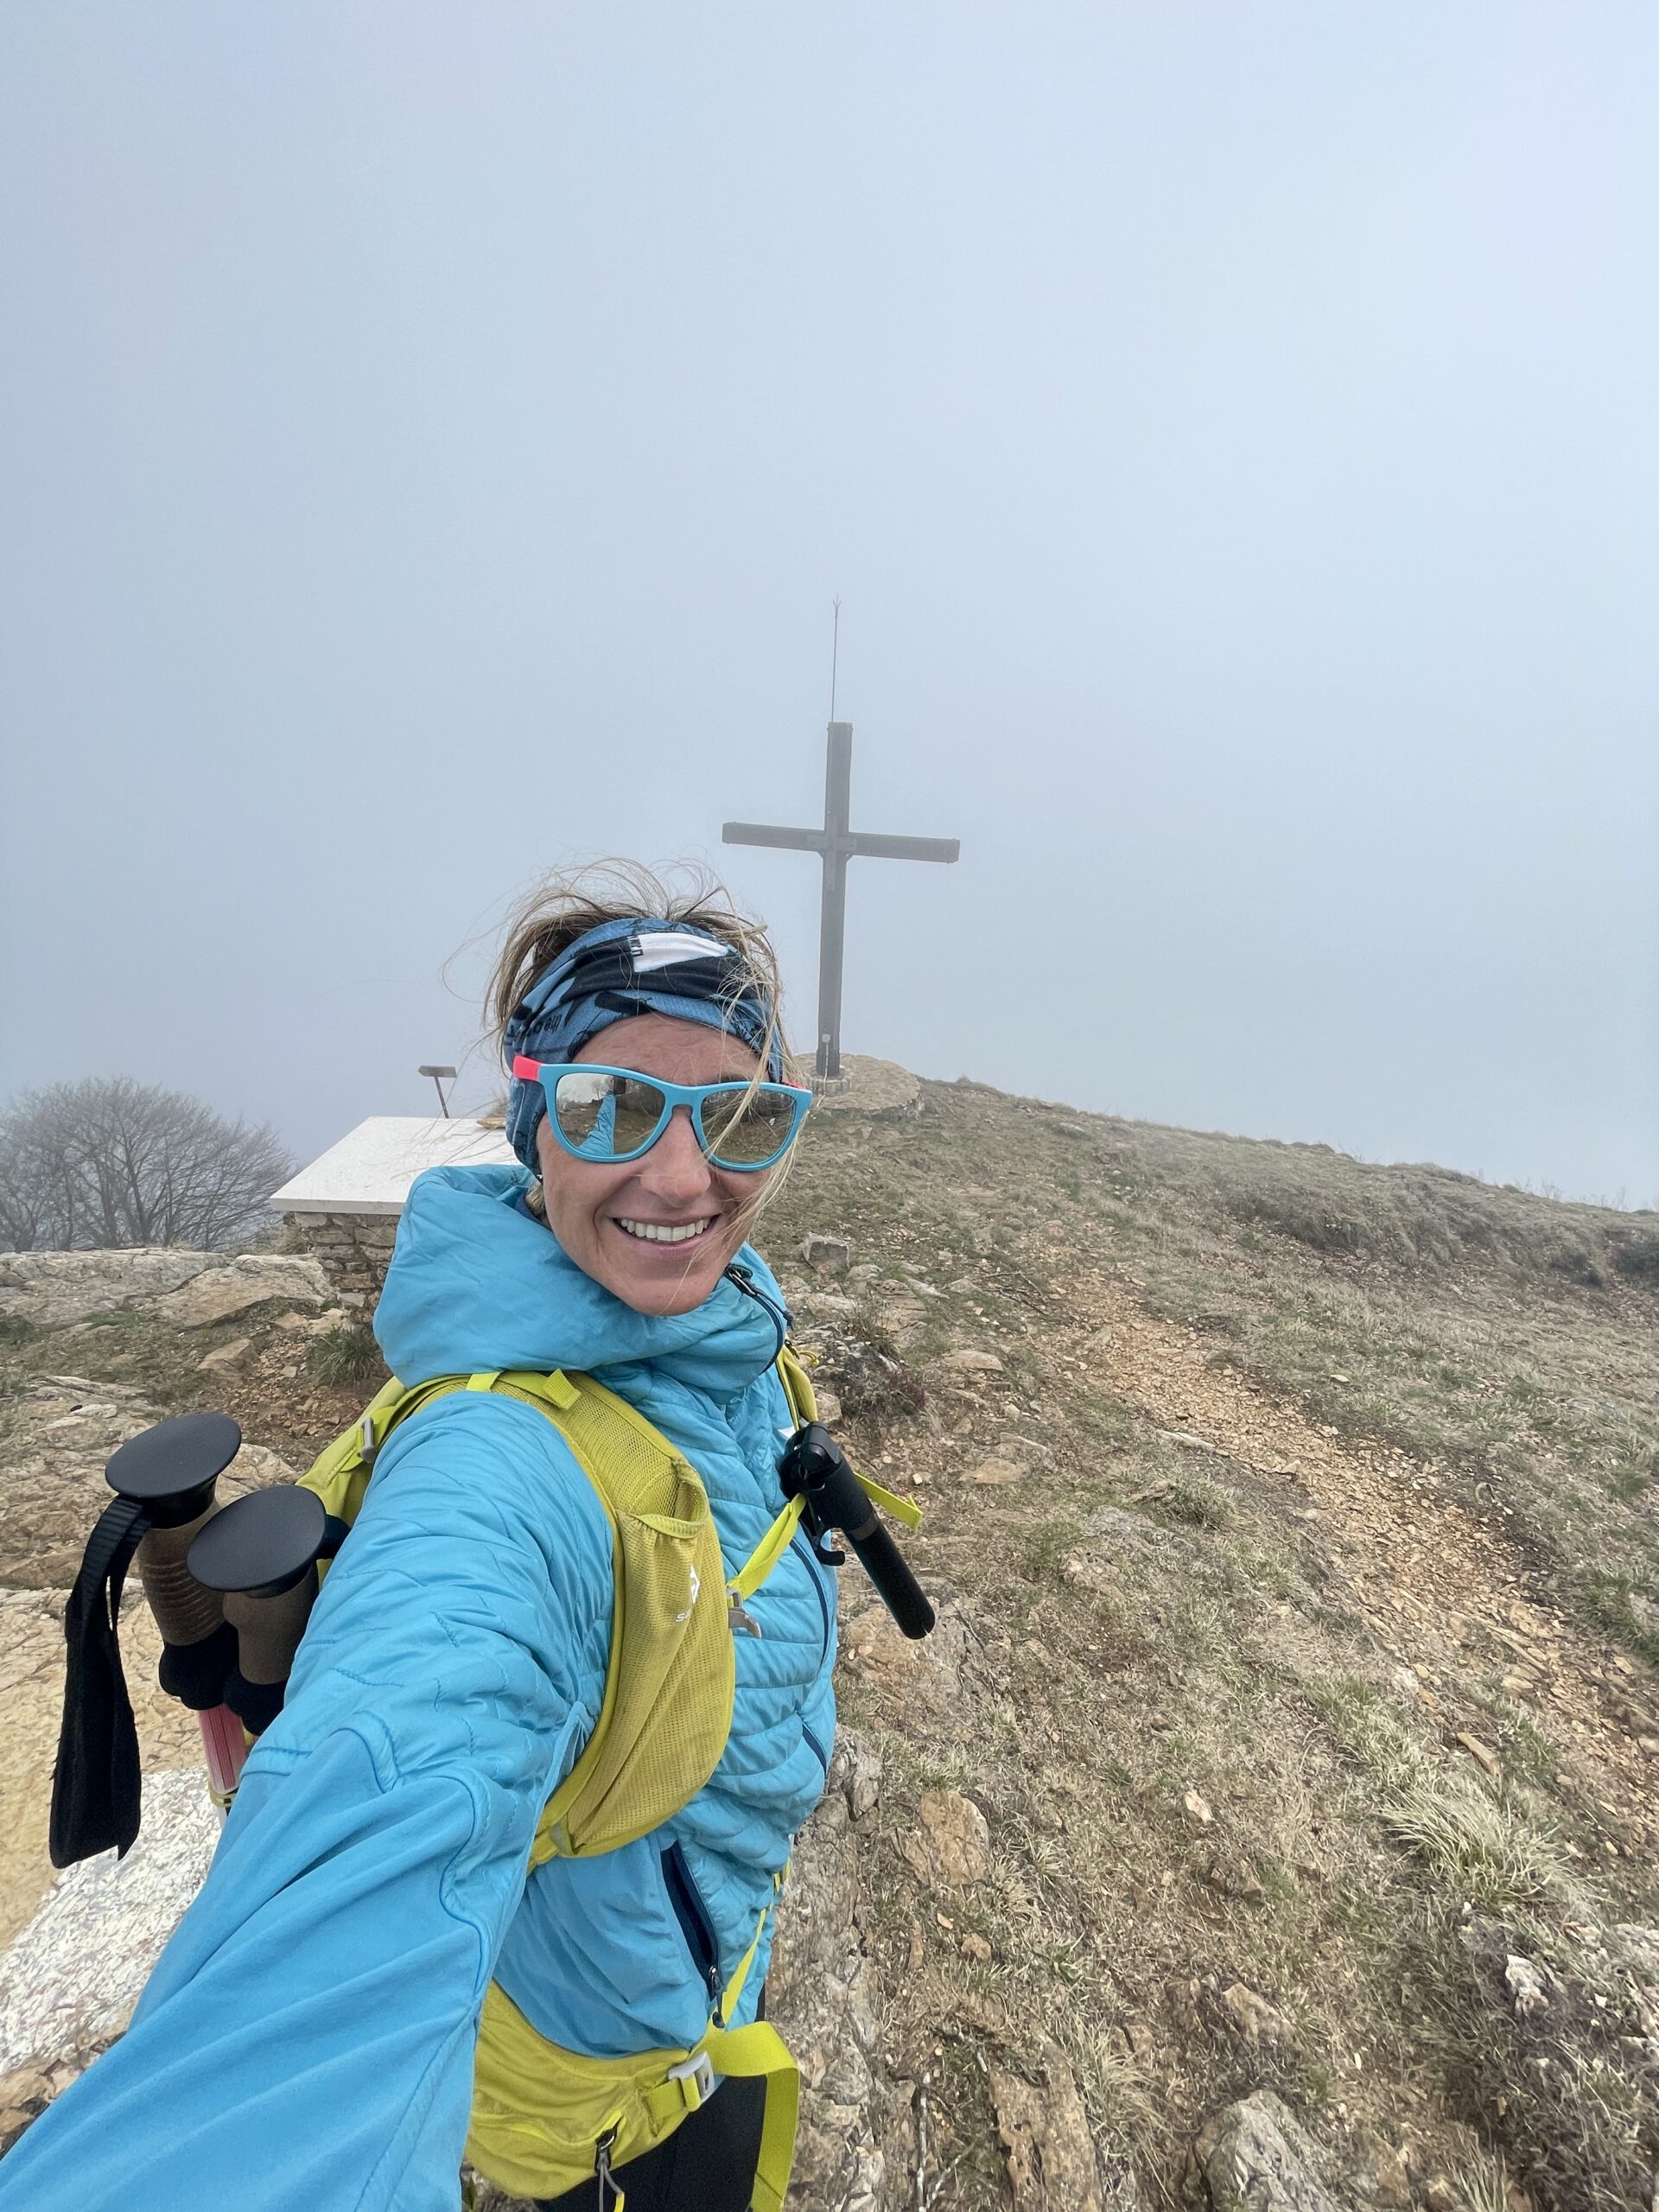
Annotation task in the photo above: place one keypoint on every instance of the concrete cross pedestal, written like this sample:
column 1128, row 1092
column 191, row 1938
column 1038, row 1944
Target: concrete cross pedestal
column 836, row 843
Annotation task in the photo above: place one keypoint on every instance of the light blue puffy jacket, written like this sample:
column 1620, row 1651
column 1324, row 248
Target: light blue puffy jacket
column 306, row 2041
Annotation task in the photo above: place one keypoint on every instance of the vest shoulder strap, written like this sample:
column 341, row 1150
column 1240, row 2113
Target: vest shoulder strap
column 666, row 1709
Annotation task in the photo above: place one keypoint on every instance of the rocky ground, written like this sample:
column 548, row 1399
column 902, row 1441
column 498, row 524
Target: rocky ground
column 1271, row 1818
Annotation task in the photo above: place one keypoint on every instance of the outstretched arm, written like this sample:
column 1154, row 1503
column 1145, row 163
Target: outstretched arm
column 306, row 2040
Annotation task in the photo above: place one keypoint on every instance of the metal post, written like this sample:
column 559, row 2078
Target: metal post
column 437, row 1076
column 837, row 817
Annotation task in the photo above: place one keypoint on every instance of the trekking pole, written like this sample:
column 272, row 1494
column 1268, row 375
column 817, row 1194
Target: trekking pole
column 165, row 1480
column 258, row 1559
column 813, row 1467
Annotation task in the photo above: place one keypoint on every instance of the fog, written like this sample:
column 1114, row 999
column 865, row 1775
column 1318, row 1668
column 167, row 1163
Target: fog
column 433, row 438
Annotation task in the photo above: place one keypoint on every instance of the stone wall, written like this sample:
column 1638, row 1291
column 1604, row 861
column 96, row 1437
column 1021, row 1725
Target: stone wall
column 353, row 1250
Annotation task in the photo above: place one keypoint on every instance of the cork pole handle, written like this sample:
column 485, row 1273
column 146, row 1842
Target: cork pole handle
column 184, row 1612
column 268, row 1630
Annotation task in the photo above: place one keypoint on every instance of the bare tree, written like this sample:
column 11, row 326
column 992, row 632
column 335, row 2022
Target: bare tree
column 110, row 1162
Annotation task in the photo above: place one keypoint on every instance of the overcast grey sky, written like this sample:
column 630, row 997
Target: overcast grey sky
column 433, row 436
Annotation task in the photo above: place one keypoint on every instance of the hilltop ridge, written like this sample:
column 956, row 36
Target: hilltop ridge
column 1285, row 1769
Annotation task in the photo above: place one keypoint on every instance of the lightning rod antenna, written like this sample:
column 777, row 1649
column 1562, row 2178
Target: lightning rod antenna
column 835, row 656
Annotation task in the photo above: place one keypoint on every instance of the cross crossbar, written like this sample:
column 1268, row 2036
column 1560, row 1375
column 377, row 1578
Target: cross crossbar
column 836, row 843
column 877, row 847
column 758, row 833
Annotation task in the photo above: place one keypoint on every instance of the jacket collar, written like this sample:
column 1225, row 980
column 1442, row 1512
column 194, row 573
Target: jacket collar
column 477, row 1283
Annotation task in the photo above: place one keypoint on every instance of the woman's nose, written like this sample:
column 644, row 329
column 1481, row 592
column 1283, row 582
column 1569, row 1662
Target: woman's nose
column 674, row 1168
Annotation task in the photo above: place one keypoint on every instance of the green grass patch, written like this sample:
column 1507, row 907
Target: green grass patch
column 346, row 1354
column 1197, row 1504
column 1626, row 1609
column 1043, row 1548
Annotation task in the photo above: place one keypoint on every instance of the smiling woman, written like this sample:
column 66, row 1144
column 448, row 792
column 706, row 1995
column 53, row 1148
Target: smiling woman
column 505, row 1862
column 639, row 1189
column 654, row 1107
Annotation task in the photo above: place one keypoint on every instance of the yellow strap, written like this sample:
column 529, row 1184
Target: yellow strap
column 778, row 1539
column 755, row 2052
column 903, row 1510
column 798, row 1385
column 760, row 2050
column 556, row 1388
column 767, row 1553
column 733, row 1989
column 485, row 1382
column 681, row 2091
column 798, row 1388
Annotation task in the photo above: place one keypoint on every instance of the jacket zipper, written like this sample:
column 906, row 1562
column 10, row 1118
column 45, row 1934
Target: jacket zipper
column 779, row 1316
column 695, row 1924
column 798, row 1544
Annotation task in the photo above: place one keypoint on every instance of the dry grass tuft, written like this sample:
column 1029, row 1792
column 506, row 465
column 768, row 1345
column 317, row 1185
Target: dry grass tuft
column 1484, row 1852
column 1482, row 2184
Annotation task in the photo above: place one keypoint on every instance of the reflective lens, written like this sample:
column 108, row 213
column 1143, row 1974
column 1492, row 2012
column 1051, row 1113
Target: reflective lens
column 745, row 1128
column 605, row 1116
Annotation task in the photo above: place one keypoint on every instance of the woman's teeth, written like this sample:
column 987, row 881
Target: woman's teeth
column 657, row 1232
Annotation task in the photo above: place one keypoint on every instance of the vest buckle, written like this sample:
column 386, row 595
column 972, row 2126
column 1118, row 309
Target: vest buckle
column 697, row 2074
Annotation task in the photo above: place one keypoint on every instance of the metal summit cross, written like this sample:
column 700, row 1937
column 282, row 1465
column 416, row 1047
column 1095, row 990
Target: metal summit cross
column 837, row 843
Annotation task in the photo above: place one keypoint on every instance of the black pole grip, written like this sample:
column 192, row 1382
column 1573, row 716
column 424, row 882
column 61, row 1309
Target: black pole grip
column 261, row 1553
column 163, row 1479
column 813, row 1466
column 885, row 1565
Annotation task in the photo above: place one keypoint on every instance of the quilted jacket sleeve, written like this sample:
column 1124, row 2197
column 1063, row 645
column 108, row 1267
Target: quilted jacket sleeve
column 306, row 2038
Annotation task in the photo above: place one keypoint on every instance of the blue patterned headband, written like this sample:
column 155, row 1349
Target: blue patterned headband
column 623, row 968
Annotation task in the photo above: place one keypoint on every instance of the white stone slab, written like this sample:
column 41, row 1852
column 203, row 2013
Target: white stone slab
column 369, row 1172
column 74, row 1974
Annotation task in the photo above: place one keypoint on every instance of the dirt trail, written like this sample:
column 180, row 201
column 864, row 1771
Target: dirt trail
column 1445, row 1595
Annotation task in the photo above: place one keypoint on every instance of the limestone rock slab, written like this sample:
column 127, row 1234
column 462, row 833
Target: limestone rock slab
column 866, row 1085
column 247, row 1280
column 951, row 1843
column 1255, row 2156
column 1046, row 2138
column 74, row 1974
column 821, row 1990
column 31, row 1697
column 54, row 1288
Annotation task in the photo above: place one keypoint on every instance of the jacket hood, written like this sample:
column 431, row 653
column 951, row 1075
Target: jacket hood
column 475, row 1283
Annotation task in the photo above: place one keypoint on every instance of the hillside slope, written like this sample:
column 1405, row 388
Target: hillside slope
column 1300, row 1570
column 1292, row 1728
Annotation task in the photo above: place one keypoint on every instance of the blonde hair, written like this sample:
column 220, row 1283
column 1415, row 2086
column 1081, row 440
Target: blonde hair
column 567, row 903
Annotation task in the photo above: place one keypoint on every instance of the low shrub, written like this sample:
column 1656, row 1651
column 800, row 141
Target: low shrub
column 1636, row 1254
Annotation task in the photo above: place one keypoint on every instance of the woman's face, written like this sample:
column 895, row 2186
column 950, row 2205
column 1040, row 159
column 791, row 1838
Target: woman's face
column 597, row 1211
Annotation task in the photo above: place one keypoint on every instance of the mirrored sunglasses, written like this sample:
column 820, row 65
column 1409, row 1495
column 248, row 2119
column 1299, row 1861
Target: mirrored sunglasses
column 616, row 1113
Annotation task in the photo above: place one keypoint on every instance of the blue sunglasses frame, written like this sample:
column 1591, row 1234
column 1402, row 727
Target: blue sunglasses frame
column 691, row 1096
